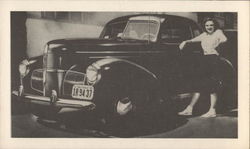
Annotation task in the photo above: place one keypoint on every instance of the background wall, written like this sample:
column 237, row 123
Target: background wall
column 18, row 44
column 45, row 26
column 39, row 32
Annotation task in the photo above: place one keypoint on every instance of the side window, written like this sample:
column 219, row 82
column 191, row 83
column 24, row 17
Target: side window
column 196, row 30
column 113, row 30
column 175, row 30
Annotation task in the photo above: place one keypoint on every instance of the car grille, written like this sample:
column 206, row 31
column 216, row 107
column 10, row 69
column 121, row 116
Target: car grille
column 55, row 75
column 53, row 81
column 37, row 80
column 72, row 78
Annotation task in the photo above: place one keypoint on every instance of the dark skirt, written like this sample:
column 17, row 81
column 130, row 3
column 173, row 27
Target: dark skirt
column 210, row 64
column 201, row 74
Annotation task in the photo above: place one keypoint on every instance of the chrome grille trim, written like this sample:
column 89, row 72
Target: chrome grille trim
column 37, row 78
column 45, row 55
column 73, row 78
column 62, row 102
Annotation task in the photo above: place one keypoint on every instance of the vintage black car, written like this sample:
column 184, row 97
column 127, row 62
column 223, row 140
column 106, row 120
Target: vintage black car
column 133, row 68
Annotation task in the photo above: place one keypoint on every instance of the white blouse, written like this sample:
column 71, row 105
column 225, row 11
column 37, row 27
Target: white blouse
column 210, row 41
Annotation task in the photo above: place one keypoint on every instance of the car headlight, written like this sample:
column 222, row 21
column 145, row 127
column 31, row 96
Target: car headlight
column 23, row 68
column 92, row 74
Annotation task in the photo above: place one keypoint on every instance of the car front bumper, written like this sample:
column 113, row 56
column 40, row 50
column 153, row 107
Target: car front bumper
column 59, row 102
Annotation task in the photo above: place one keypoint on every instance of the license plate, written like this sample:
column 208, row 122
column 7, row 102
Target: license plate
column 83, row 92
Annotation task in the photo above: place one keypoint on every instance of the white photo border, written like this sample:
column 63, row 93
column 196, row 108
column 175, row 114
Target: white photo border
column 240, row 7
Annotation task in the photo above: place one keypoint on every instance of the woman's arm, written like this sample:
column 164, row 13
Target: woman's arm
column 196, row 39
column 222, row 38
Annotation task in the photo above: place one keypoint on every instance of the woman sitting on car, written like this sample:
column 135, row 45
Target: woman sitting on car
column 210, row 39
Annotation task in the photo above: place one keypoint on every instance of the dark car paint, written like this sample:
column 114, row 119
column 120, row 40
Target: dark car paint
column 165, row 61
column 157, row 68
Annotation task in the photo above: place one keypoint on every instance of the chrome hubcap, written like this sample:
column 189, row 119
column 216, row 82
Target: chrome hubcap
column 124, row 106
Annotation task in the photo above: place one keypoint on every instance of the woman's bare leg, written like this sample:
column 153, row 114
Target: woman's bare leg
column 194, row 99
column 213, row 99
column 189, row 109
column 211, row 112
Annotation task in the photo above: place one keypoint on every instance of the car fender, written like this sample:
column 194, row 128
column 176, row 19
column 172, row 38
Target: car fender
column 227, row 70
column 113, row 61
column 122, row 78
column 124, row 72
column 228, row 90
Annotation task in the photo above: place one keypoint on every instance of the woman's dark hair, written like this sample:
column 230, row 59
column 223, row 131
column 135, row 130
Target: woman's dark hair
column 216, row 24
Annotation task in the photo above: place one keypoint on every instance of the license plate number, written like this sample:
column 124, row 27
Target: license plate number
column 83, row 92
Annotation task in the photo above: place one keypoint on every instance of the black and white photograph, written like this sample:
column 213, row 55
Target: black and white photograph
column 173, row 76
column 124, row 74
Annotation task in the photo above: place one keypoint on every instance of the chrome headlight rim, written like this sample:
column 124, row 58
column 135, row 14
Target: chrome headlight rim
column 23, row 68
column 92, row 74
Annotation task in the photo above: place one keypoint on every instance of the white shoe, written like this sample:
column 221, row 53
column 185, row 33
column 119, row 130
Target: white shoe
column 188, row 111
column 210, row 113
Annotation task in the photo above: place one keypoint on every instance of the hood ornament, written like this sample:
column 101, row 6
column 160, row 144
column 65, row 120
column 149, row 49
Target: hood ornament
column 53, row 97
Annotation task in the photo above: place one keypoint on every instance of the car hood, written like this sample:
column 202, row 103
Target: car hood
column 101, row 44
column 98, row 42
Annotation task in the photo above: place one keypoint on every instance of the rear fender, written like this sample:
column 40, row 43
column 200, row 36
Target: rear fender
column 227, row 70
column 228, row 91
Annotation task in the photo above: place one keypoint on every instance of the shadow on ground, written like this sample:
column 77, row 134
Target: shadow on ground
column 87, row 125
column 119, row 128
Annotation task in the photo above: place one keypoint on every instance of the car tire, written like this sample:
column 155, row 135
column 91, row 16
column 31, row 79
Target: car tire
column 137, row 119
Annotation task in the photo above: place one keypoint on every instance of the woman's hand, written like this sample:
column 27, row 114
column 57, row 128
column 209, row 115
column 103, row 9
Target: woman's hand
column 182, row 45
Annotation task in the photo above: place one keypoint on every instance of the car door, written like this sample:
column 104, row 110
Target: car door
column 184, row 66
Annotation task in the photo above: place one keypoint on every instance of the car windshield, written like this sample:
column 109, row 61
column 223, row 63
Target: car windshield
column 141, row 30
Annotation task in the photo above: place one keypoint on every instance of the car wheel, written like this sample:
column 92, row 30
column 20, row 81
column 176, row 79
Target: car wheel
column 130, row 114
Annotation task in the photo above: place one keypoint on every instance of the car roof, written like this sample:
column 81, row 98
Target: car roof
column 161, row 16
column 149, row 18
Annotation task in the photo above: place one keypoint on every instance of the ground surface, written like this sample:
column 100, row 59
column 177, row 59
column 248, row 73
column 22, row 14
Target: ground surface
column 225, row 125
column 196, row 127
